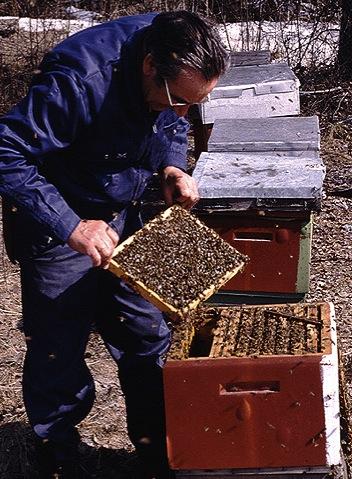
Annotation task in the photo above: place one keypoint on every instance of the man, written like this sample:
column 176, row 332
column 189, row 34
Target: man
column 103, row 114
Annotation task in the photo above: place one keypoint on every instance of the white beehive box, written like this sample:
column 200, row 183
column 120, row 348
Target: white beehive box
column 293, row 134
column 253, row 91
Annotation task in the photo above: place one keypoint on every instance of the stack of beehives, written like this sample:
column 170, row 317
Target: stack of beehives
column 260, row 179
column 249, row 391
column 258, row 385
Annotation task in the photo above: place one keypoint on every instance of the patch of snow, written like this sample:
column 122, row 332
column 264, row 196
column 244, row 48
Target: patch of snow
column 301, row 43
column 57, row 24
column 297, row 43
column 8, row 19
column 80, row 14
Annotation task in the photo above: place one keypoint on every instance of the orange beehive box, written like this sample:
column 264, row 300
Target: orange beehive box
column 259, row 389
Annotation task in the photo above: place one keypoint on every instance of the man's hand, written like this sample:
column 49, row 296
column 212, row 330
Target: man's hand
column 96, row 239
column 179, row 187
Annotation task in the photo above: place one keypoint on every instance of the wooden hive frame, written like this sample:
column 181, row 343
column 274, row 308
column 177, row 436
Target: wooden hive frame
column 116, row 268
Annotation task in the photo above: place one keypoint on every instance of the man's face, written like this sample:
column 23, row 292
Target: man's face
column 188, row 88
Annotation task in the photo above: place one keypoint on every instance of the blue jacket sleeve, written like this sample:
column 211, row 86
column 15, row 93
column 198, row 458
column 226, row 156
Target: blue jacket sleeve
column 46, row 120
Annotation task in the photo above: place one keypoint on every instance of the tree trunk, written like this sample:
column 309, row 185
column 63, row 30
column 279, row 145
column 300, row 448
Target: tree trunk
column 344, row 57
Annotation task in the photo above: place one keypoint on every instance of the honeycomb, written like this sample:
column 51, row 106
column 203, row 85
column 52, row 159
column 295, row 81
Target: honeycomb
column 251, row 331
column 176, row 261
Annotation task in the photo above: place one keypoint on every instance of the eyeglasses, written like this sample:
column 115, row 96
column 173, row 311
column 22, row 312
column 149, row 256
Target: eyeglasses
column 181, row 103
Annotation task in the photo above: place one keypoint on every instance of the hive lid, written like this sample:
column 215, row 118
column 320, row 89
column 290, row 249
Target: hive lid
column 175, row 261
column 263, row 79
column 242, row 181
column 265, row 134
column 253, row 57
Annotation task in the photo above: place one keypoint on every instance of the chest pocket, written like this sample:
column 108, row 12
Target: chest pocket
column 124, row 186
column 168, row 138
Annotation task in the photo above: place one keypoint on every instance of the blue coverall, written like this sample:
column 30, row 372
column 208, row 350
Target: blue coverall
column 82, row 144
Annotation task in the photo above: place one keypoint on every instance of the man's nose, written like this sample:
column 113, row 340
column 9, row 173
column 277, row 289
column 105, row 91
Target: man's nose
column 181, row 110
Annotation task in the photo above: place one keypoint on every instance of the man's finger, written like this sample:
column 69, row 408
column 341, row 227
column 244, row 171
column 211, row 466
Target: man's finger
column 95, row 256
column 106, row 252
column 188, row 203
column 168, row 196
column 189, row 190
column 113, row 235
column 189, row 199
column 107, row 243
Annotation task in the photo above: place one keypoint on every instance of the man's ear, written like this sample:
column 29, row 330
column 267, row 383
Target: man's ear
column 149, row 69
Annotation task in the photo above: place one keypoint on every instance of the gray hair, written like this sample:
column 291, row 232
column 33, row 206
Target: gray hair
column 183, row 39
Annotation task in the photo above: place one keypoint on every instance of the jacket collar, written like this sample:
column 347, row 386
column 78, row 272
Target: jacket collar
column 130, row 70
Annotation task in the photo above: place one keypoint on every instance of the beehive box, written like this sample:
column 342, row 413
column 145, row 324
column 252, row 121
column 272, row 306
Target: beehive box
column 176, row 262
column 202, row 131
column 254, row 388
column 253, row 91
column 280, row 251
column 261, row 203
column 294, row 136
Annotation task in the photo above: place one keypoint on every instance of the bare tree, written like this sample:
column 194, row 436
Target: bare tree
column 344, row 57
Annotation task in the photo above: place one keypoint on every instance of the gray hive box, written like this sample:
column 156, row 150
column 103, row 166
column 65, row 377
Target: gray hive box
column 243, row 181
column 285, row 134
column 252, row 57
column 252, row 92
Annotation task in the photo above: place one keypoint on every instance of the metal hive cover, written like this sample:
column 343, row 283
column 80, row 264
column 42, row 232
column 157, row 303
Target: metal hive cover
column 240, row 176
column 264, row 79
column 265, row 134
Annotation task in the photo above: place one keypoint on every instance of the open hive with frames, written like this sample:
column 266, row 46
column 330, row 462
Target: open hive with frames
column 256, row 386
column 252, row 331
